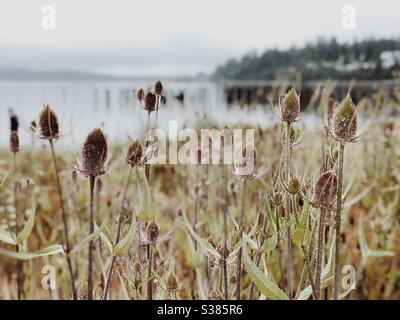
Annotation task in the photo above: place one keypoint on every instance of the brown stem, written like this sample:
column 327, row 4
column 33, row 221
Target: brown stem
column 118, row 233
column 91, row 243
column 149, row 280
column 288, row 213
column 239, row 263
column 338, row 221
column 65, row 224
column 20, row 266
column 321, row 231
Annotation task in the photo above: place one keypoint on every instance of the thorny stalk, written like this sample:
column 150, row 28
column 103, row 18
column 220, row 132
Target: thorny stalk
column 338, row 220
column 64, row 219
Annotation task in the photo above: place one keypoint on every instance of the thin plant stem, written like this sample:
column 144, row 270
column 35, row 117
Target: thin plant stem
column 321, row 232
column 239, row 261
column 118, row 233
column 309, row 270
column 338, row 220
column 149, row 280
column 225, row 216
column 91, row 243
column 288, row 213
column 64, row 219
column 20, row 266
column 278, row 227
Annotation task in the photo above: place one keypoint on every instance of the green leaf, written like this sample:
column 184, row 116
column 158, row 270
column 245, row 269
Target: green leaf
column 270, row 244
column 48, row 251
column 307, row 292
column 203, row 244
column 268, row 211
column 123, row 245
column 251, row 242
column 27, row 229
column 7, row 237
column 267, row 287
column 90, row 237
column 146, row 212
column 298, row 236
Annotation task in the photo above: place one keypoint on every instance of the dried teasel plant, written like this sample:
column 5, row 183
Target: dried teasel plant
column 343, row 128
column 93, row 164
column 323, row 198
column 134, row 157
column 245, row 163
column 290, row 106
column 49, row 130
column 14, row 142
column 14, row 148
column 48, row 124
column 150, row 237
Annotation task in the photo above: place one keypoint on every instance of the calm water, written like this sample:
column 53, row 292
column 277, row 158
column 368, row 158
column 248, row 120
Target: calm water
column 113, row 106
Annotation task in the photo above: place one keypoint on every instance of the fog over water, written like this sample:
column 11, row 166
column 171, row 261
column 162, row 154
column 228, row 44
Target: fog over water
column 113, row 106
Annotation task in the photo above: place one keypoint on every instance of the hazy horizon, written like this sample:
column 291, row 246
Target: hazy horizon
column 178, row 38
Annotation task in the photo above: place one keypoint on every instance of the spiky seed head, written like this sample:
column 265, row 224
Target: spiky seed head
column 290, row 106
column 294, row 186
column 48, row 124
column 150, row 101
column 158, row 88
column 324, row 193
column 14, row 142
column 245, row 162
column 94, row 154
column 153, row 232
column 172, row 282
column 135, row 154
column 344, row 121
column 277, row 198
column 140, row 94
column 137, row 266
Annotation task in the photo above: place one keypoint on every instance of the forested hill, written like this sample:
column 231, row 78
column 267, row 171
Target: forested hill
column 368, row 59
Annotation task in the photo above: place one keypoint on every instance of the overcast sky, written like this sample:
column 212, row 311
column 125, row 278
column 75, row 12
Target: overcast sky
column 174, row 37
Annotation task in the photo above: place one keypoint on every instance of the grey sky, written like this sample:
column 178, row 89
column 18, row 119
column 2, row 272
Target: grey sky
column 174, row 37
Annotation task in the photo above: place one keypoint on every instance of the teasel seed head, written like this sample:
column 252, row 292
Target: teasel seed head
column 172, row 282
column 48, row 124
column 14, row 142
column 94, row 154
column 150, row 102
column 290, row 106
column 134, row 156
column 344, row 121
column 324, row 193
column 153, row 232
column 140, row 94
column 294, row 186
column 245, row 162
column 277, row 198
column 158, row 88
